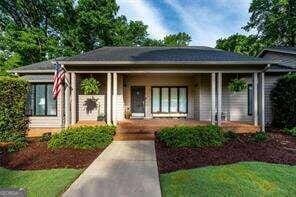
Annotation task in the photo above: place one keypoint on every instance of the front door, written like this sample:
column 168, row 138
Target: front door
column 138, row 100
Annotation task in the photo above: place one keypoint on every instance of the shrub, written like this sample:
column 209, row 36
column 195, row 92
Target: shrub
column 85, row 137
column 198, row 136
column 259, row 137
column 13, row 119
column 284, row 102
column 291, row 131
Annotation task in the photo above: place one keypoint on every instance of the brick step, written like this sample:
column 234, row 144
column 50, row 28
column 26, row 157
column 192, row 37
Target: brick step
column 136, row 130
column 129, row 136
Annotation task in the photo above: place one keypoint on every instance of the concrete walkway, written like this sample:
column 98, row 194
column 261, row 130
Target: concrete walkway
column 125, row 168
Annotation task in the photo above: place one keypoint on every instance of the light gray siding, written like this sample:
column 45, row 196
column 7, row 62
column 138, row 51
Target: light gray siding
column 285, row 58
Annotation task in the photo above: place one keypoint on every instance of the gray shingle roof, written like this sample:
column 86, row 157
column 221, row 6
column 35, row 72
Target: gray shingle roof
column 45, row 65
column 160, row 54
column 144, row 54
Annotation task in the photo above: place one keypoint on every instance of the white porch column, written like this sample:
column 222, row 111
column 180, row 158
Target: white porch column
column 109, row 98
column 213, row 108
column 73, row 98
column 262, row 102
column 219, row 110
column 255, row 98
column 67, row 99
column 114, row 116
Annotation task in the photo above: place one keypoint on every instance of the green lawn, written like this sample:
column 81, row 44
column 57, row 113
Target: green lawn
column 241, row 179
column 39, row 182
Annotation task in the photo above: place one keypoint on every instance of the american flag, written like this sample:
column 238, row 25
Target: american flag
column 58, row 78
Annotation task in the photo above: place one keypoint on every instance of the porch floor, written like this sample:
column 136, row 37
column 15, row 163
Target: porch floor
column 144, row 129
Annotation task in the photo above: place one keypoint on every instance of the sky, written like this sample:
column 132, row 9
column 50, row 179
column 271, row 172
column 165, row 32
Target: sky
column 204, row 20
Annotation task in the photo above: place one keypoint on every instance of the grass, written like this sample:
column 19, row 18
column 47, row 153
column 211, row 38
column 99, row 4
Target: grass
column 241, row 179
column 39, row 182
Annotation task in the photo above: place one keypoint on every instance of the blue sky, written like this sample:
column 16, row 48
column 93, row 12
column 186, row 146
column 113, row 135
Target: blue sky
column 205, row 20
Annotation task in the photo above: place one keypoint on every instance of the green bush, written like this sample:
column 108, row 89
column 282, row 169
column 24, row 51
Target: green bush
column 259, row 137
column 198, row 136
column 291, row 131
column 85, row 137
column 284, row 102
column 13, row 103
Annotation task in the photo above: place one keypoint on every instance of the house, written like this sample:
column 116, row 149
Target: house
column 156, row 82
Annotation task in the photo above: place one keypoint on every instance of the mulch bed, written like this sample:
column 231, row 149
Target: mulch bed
column 37, row 156
column 279, row 148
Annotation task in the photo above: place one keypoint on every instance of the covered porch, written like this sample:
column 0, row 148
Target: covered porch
column 165, row 98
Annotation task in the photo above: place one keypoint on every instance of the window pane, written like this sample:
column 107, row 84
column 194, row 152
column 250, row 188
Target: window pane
column 51, row 103
column 174, row 100
column 164, row 99
column 250, row 99
column 30, row 101
column 40, row 99
column 182, row 100
column 155, row 99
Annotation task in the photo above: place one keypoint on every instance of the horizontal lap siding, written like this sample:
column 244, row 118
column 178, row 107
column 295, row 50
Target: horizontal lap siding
column 282, row 57
column 234, row 105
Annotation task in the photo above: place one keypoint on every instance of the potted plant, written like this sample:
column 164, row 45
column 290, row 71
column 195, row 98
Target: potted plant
column 90, row 86
column 237, row 85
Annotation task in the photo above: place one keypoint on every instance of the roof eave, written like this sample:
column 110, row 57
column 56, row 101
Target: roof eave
column 31, row 71
column 118, row 63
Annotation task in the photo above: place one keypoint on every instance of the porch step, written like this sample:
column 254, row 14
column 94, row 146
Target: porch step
column 129, row 136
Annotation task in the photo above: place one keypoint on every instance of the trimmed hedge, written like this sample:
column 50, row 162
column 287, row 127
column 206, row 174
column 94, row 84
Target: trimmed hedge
column 283, row 98
column 85, row 137
column 194, row 137
column 13, row 103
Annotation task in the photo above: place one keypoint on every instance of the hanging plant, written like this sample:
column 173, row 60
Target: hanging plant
column 90, row 86
column 237, row 85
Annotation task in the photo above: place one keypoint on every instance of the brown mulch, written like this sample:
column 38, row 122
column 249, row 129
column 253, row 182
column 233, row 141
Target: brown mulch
column 37, row 156
column 279, row 148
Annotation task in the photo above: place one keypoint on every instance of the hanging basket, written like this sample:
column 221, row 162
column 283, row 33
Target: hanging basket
column 237, row 85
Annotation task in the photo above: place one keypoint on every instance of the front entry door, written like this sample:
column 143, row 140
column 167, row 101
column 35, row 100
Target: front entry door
column 138, row 100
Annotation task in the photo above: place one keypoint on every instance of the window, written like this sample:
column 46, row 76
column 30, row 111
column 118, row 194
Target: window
column 250, row 99
column 169, row 99
column 41, row 102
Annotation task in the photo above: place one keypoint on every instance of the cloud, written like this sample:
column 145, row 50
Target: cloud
column 142, row 10
column 207, row 21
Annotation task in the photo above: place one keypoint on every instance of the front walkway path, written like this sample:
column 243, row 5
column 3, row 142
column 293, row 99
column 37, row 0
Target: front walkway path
column 125, row 168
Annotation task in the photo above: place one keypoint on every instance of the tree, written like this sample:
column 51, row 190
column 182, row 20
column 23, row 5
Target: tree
column 40, row 30
column 275, row 21
column 180, row 39
column 247, row 45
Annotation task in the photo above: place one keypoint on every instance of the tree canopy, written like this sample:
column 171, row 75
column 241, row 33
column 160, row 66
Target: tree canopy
column 274, row 22
column 247, row 45
column 36, row 30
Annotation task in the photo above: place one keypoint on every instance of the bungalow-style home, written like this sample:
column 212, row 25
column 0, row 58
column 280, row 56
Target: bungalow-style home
column 157, row 82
